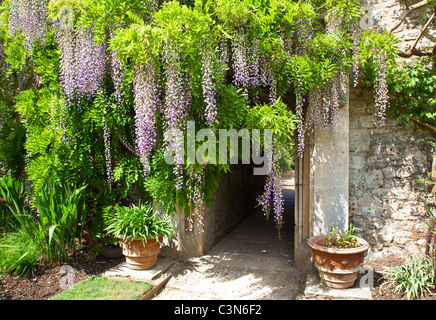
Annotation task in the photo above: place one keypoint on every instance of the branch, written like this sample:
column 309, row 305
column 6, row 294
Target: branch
column 423, row 30
column 412, row 50
column 416, row 52
column 416, row 6
column 421, row 123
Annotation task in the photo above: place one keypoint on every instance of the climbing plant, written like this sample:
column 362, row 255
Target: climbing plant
column 97, row 85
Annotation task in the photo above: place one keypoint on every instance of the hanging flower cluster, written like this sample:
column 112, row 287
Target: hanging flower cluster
column 83, row 62
column 66, row 41
column 176, row 105
column 272, row 194
column 195, row 197
column 107, row 152
column 301, row 125
column 224, row 53
column 356, row 37
column 146, row 105
column 209, row 88
column 90, row 61
column 381, row 89
column 304, row 34
column 266, row 78
column 240, row 60
column 29, row 17
column 117, row 71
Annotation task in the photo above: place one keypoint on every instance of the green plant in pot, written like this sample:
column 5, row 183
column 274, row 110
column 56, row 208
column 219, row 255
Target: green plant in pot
column 338, row 256
column 141, row 232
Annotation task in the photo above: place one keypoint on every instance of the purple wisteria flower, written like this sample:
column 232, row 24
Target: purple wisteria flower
column 107, row 152
column 209, row 88
column 195, row 196
column 117, row 71
column 272, row 194
column 90, row 59
column 147, row 102
column 381, row 89
column 29, row 17
column 240, row 61
column 176, row 105
column 83, row 62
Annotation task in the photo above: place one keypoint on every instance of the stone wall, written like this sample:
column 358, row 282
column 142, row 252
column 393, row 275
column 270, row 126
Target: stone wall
column 387, row 13
column 386, row 165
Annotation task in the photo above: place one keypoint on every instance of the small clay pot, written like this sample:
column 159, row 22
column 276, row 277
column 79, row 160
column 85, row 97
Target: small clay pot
column 338, row 268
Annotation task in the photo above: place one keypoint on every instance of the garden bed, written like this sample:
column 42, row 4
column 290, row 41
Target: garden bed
column 46, row 282
column 380, row 292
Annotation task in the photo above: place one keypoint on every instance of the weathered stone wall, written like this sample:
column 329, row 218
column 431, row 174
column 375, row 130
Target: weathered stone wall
column 235, row 199
column 387, row 13
column 386, row 165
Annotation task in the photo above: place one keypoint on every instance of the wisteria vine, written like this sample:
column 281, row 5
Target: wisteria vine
column 272, row 194
column 209, row 88
column 162, row 85
column 83, row 62
column 176, row 105
column 147, row 103
column 29, row 17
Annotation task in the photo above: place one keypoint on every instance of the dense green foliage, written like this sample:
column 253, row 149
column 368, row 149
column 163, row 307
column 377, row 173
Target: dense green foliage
column 254, row 62
column 413, row 88
column 139, row 221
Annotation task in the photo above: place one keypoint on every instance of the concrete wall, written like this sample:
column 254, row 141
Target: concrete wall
column 330, row 169
column 322, row 184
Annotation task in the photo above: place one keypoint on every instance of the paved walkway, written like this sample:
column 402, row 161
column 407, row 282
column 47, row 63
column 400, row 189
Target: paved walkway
column 250, row 263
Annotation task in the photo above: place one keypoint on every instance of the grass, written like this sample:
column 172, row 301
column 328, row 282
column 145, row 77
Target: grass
column 102, row 288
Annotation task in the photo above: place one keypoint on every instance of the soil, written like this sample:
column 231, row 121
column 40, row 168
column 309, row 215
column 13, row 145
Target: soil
column 380, row 292
column 47, row 280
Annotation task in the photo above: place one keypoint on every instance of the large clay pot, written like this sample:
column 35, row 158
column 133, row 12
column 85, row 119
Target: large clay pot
column 141, row 254
column 338, row 268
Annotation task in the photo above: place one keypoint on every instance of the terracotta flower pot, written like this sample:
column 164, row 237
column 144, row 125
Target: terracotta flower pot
column 111, row 252
column 141, row 255
column 338, row 268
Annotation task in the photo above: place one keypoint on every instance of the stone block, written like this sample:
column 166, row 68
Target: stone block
column 314, row 289
column 374, row 178
column 368, row 121
column 358, row 106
